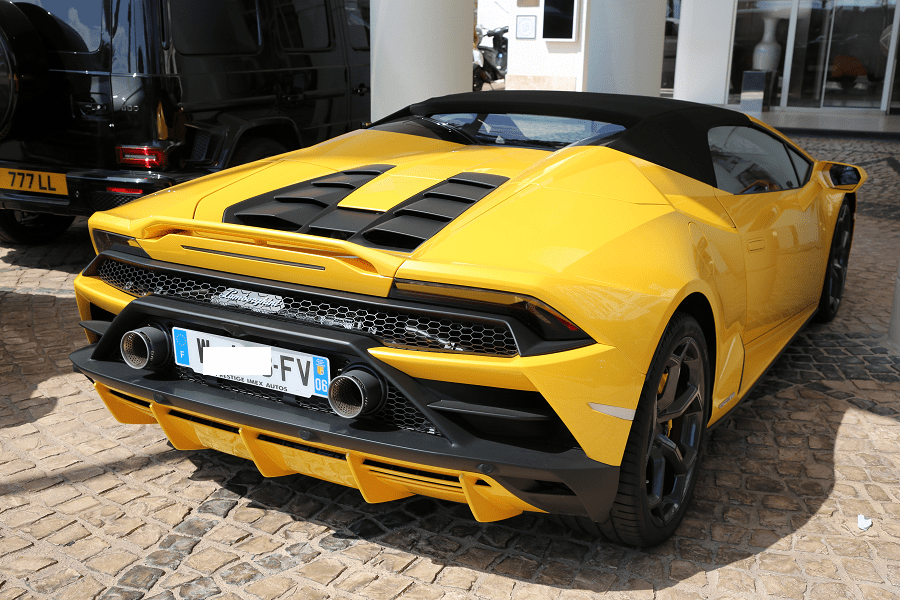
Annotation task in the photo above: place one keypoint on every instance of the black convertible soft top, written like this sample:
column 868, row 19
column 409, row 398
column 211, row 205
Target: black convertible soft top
column 669, row 133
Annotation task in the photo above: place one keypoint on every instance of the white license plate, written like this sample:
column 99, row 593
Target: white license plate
column 292, row 372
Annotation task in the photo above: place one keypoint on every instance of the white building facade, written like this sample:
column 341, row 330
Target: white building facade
column 834, row 55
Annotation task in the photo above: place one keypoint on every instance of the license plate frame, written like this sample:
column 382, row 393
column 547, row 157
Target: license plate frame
column 36, row 182
column 287, row 374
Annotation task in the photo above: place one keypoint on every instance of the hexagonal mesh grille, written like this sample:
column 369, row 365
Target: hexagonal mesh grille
column 397, row 411
column 394, row 328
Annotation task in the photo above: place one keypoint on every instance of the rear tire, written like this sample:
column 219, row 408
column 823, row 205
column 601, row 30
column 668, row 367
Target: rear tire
column 662, row 456
column 19, row 227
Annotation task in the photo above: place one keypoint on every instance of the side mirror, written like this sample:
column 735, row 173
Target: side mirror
column 840, row 176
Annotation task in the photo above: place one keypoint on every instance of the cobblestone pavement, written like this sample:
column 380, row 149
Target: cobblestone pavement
column 90, row 508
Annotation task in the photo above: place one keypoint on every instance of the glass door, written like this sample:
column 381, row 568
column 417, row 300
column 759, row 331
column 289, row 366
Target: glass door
column 860, row 33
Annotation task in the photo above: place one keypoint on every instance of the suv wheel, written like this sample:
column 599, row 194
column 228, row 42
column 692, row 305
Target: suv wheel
column 20, row 227
column 24, row 73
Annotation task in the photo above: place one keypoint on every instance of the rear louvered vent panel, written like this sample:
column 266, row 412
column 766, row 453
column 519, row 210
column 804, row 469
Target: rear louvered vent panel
column 416, row 220
column 311, row 207
column 296, row 207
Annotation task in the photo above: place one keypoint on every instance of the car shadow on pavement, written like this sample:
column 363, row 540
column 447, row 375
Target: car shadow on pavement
column 69, row 253
column 767, row 491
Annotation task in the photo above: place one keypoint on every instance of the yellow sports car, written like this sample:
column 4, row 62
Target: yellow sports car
column 523, row 301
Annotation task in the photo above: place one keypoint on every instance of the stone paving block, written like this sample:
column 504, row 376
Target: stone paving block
column 172, row 515
column 355, row 581
column 26, row 566
column 78, row 505
column 17, row 519
column 84, row 549
column 210, row 560
column 322, row 571
column 12, row 544
column 259, row 545
column 53, row 582
column 386, row 587
column 111, row 563
column 141, row 577
column 86, row 588
column 271, row 587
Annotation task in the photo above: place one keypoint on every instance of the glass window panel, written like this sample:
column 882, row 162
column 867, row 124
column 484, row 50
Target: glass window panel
column 77, row 23
column 539, row 130
column 760, row 36
column 857, row 61
column 670, row 47
column 801, row 165
column 358, row 22
column 747, row 160
column 233, row 29
column 303, row 24
column 840, row 54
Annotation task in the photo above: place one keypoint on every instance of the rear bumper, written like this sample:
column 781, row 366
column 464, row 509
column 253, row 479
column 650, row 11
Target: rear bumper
column 496, row 478
column 88, row 190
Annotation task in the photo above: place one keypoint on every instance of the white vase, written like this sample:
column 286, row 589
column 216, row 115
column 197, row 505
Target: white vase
column 767, row 53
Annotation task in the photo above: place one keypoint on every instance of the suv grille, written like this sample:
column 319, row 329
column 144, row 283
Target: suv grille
column 398, row 329
column 397, row 411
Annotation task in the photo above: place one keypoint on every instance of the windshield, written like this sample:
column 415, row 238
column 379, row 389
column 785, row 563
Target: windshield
column 527, row 130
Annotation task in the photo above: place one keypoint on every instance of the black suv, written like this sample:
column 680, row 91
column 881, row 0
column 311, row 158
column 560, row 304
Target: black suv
column 103, row 101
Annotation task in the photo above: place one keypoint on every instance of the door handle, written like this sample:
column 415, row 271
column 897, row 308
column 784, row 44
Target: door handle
column 362, row 89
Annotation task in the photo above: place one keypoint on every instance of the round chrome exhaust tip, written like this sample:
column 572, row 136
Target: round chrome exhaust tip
column 356, row 393
column 144, row 347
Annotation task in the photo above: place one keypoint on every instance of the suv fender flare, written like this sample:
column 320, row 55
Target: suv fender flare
column 281, row 129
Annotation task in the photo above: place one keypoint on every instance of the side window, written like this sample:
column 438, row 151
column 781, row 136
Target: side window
column 358, row 22
column 748, row 161
column 69, row 25
column 303, row 24
column 801, row 165
column 215, row 26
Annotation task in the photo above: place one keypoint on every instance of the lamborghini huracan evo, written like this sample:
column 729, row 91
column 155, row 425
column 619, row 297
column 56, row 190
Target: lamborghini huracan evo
column 523, row 301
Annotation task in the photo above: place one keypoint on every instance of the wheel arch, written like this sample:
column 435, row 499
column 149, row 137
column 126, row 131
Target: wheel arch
column 288, row 137
column 698, row 306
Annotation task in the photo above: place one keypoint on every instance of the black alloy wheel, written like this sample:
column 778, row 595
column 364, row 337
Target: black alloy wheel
column 20, row 227
column 659, row 467
column 674, row 445
column 836, row 269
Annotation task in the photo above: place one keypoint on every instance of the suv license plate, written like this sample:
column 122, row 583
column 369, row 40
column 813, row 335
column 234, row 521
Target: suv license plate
column 292, row 372
column 34, row 181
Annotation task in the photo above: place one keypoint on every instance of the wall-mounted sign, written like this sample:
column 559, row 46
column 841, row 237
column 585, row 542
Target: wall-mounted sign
column 560, row 20
column 526, row 27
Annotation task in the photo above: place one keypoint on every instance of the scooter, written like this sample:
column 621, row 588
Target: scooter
column 489, row 62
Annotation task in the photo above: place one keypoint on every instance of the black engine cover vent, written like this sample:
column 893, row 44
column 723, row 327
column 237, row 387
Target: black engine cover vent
column 414, row 221
column 311, row 207
column 295, row 207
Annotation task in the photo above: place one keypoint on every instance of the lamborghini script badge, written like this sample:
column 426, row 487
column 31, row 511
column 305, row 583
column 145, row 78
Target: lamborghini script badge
column 263, row 303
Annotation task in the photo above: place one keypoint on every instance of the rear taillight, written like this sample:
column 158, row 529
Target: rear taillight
column 147, row 157
column 124, row 190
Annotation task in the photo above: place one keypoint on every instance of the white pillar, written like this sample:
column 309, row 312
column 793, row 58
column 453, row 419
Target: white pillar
column 705, row 40
column 623, row 50
column 420, row 49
